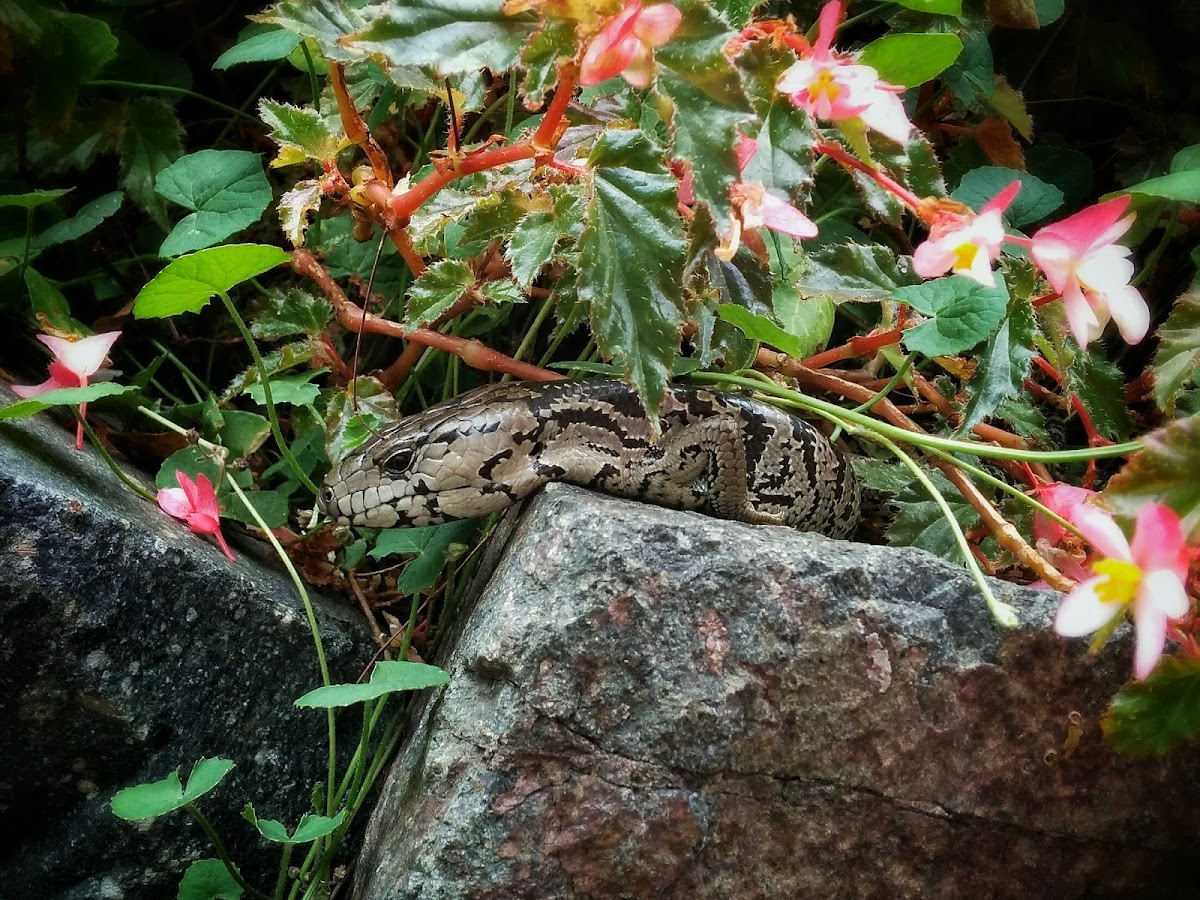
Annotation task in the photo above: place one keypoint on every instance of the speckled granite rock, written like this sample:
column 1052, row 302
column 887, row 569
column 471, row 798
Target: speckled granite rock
column 132, row 647
column 652, row 704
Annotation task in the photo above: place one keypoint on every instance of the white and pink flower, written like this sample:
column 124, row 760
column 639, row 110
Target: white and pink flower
column 75, row 362
column 625, row 46
column 966, row 244
column 1081, row 259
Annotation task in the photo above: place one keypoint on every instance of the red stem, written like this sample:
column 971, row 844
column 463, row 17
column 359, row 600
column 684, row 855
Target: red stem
column 907, row 197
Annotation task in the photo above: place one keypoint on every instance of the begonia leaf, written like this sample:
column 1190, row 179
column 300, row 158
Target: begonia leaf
column 909, row 60
column 1003, row 365
column 1178, row 349
column 1154, row 716
column 1164, row 472
column 632, row 253
column 301, row 132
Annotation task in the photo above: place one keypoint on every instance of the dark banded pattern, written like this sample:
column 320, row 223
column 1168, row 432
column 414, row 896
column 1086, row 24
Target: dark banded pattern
column 723, row 454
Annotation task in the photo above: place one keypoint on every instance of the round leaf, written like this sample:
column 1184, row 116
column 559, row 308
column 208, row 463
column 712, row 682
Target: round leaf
column 911, row 59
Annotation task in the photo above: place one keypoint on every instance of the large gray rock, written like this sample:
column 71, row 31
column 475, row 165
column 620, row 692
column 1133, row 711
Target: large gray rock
column 654, row 704
column 132, row 647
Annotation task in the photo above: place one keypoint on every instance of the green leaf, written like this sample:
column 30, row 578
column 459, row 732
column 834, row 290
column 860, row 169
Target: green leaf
column 437, row 290
column 1035, row 201
column 189, row 282
column 152, row 141
column 942, row 7
column 71, row 50
column 49, row 305
column 295, row 206
column 290, row 312
column 88, row 218
column 146, row 801
column 1003, row 365
column 430, row 543
column 208, row 879
column 310, row 828
column 227, row 189
column 1101, row 388
column 1164, row 472
column 271, row 506
column 531, row 246
column 302, row 133
column 702, row 85
column 1182, row 185
column 760, row 328
column 1178, row 349
column 631, row 260
column 919, row 521
column 243, row 432
column 294, row 389
column 1153, row 717
column 452, row 39
column 502, row 290
column 33, row 199
column 854, row 272
column 259, row 44
column 540, row 57
column 784, row 158
column 64, row 397
column 963, row 312
column 736, row 11
column 386, row 678
column 808, row 319
column 911, row 59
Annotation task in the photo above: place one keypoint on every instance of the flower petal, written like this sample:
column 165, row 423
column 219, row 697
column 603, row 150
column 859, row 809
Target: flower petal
column 1089, row 228
column 1163, row 591
column 84, row 356
column 1159, row 541
column 1129, row 310
column 827, row 23
column 1101, row 532
column 655, row 24
column 31, row 390
column 206, row 497
column 174, row 502
column 1002, row 200
column 1151, row 629
column 1082, row 611
column 781, row 216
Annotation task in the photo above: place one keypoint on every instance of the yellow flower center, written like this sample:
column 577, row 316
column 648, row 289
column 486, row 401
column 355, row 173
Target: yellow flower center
column 824, row 86
column 1120, row 581
column 964, row 256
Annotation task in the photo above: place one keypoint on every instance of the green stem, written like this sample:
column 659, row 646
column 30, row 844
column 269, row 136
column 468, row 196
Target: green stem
column 917, row 438
column 887, row 389
column 193, row 381
column 1157, row 252
column 265, row 381
column 170, row 89
column 281, row 881
column 1004, row 614
column 312, row 76
column 222, row 853
column 112, row 463
column 532, row 331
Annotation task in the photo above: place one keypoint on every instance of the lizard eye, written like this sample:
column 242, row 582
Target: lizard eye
column 325, row 498
column 398, row 461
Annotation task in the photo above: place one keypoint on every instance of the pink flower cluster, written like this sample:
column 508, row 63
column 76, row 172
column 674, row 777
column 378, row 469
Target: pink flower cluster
column 1146, row 577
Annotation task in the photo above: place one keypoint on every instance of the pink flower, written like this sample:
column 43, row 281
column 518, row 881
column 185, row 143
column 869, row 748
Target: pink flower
column 1148, row 578
column 74, row 363
column 966, row 244
column 1082, row 260
column 761, row 209
column 196, row 503
column 834, row 88
column 625, row 46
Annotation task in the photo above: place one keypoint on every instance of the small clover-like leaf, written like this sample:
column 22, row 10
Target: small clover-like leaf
column 386, row 678
column 146, row 801
column 189, row 282
column 310, row 828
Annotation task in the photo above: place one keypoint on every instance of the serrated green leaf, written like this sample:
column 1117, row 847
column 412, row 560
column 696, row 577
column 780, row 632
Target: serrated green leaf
column 71, row 50
column 437, row 290
column 1003, row 365
column 854, row 272
column 502, row 290
column 919, row 521
column 310, row 828
column 295, row 206
column 302, row 133
column 89, row 217
column 1101, row 388
column 784, row 158
column 258, row 44
column 291, row 312
column 531, row 246
column 1153, row 717
column 227, row 189
column 208, row 879
column 451, row 39
column 808, row 319
column 709, row 104
column 963, row 312
column 553, row 42
column 324, row 21
column 631, row 260
column 1164, row 472
column 189, row 282
column 1035, row 201
column 1178, row 349
column 152, row 140
column 386, row 678
column 911, row 59
column 344, row 428
column 286, row 357
column 64, row 397
column 146, row 801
